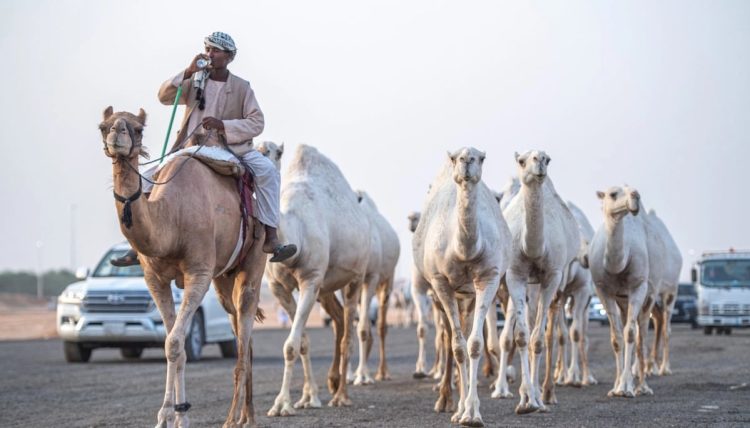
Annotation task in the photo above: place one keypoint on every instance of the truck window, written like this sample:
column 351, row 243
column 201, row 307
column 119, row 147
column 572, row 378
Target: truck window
column 726, row 273
column 105, row 269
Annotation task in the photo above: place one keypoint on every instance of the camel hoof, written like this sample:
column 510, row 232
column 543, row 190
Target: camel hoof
column 419, row 375
column 644, row 390
column 281, row 409
column 363, row 380
column 524, row 409
column 544, row 409
column 590, row 381
column 380, row 376
column 550, row 400
column 665, row 372
column 472, row 422
column 501, row 395
column 443, row 405
column 339, row 401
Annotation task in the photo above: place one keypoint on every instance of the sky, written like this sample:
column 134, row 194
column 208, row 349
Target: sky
column 652, row 94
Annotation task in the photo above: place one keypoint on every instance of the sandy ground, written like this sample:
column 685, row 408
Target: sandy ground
column 709, row 387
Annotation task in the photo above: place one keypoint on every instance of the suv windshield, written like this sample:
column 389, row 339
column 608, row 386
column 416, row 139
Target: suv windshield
column 726, row 273
column 104, row 268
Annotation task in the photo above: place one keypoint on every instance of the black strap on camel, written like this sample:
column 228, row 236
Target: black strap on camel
column 127, row 212
column 182, row 408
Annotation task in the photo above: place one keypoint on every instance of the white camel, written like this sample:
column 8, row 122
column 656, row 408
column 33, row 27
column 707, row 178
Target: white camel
column 624, row 264
column 579, row 289
column 321, row 214
column 381, row 269
column 666, row 292
column 545, row 242
column 461, row 248
column 425, row 305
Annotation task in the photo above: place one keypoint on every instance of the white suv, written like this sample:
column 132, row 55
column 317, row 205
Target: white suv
column 112, row 308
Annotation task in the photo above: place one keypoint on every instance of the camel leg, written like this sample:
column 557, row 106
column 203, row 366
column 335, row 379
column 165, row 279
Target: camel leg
column 635, row 303
column 548, row 332
column 332, row 305
column 161, row 292
column 485, row 297
column 246, row 298
column 444, row 402
column 362, row 375
column 616, row 339
column 308, row 290
column 500, row 388
column 665, row 369
column 642, row 348
column 440, row 323
column 419, row 295
column 576, row 334
column 588, row 377
column 560, row 328
column 384, row 294
column 546, row 295
column 351, row 295
column 516, row 283
column 196, row 285
column 447, row 299
column 492, row 345
column 657, row 314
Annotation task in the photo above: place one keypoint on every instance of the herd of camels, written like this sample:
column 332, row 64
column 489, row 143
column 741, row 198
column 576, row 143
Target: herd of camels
column 524, row 247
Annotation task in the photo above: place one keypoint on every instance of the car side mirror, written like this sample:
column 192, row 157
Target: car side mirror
column 694, row 275
column 82, row 273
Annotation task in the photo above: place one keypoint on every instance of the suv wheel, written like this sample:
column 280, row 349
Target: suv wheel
column 707, row 331
column 76, row 352
column 195, row 338
column 131, row 353
column 228, row 348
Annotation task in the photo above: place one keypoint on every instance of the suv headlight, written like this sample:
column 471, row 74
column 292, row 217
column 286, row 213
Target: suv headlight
column 72, row 296
column 177, row 296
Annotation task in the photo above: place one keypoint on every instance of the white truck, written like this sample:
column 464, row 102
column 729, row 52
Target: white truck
column 722, row 280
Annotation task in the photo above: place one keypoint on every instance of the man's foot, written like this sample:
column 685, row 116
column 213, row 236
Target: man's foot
column 283, row 252
column 129, row 259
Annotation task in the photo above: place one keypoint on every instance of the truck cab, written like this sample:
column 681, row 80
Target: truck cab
column 722, row 281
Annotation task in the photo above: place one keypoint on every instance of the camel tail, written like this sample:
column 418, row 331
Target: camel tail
column 260, row 316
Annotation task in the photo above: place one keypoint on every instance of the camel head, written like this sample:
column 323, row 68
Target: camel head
column 467, row 165
column 414, row 217
column 617, row 202
column 122, row 134
column 508, row 192
column 272, row 151
column 532, row 166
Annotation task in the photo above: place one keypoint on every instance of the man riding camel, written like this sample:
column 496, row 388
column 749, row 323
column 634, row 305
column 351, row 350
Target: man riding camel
column 225, row 104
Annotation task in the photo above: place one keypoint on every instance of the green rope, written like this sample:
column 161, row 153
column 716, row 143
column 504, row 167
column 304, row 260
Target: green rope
column 171, row 120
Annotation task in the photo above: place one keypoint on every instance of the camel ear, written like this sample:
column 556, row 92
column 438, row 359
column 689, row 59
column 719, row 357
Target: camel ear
column 600, row 194
column 141, row 116
column 452, row 157
column 548, row 160
column 281, row 150
column 482, row 155
column 516, row 155
column 108, row 112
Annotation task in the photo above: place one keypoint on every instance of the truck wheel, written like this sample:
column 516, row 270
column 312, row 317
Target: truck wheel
column 195, row 338
column 228, row 348
column 131, row 353
column 707, row 330
column 76, row 352
column 727, row 331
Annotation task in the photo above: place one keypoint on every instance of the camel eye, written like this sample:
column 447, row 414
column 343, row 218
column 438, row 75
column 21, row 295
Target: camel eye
column 613, row 195
column 522, row 163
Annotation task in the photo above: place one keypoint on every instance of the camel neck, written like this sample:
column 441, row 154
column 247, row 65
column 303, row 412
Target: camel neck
column 466, row 215
column 533, row 233
column 133, row 215
column 615, row 253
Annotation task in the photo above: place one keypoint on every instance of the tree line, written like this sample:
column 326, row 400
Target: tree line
column 54, row 281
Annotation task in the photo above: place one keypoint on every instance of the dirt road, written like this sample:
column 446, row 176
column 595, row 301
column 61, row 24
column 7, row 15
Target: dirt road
column 709, row 387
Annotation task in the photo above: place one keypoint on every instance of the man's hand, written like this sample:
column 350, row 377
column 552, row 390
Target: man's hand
column 193, row 67
column 212, row 123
